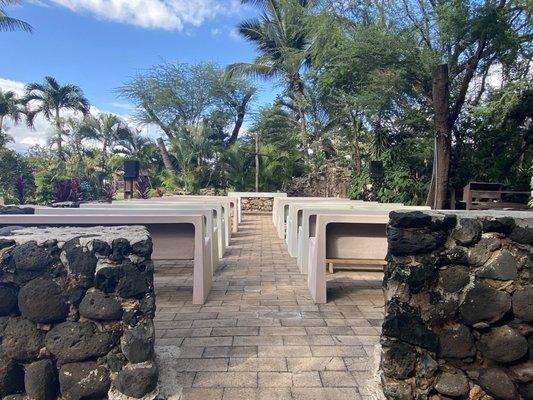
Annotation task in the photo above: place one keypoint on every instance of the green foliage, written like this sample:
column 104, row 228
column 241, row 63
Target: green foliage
column 15, row 170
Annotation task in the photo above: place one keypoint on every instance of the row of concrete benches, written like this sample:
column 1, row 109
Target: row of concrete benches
column 196, row 228
column 324, row 232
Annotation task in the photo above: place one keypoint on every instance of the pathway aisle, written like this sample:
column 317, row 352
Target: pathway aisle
column 259, row 335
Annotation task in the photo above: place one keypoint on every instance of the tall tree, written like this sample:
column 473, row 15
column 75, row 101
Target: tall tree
column 10, row 108
column 183, row 100
column 282, row 40
column 107, row 129
column 50, row 99
column 8, row 23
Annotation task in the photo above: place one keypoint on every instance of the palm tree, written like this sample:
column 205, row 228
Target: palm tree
column 50, row 98
column 282, row 40
column 10, row 107
column 107, row 129
column 8, row 23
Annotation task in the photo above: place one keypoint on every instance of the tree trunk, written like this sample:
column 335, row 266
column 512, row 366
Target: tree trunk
column 1, row 123
column 299, row 97
column 437, row 196
column 357, row 151
column 257, row 162
column 165, row 156
column 59, row 139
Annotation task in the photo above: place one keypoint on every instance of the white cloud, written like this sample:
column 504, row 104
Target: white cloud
column 153, row 14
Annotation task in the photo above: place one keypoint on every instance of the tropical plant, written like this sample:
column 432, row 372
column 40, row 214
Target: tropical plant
column 8, row 23
column 50, row 99
column 283, row 42
column 108, row 129
column 10, row 108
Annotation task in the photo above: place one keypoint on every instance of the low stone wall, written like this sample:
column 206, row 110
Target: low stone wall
column 459, row 306
column 263, row 204
column 14, row 210
column 76, row 310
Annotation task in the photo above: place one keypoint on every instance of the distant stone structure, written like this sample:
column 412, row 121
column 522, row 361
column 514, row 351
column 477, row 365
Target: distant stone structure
column 76, row 311
column 330, row 180
column 14, row 210
column 459, row 306
column 261, row 204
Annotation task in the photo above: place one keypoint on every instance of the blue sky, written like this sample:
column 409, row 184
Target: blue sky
column 99, row 44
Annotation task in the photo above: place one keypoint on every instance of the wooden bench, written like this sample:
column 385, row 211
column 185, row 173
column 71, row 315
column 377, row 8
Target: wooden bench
column 362, row 263
column 181, row 237
column 488, row 196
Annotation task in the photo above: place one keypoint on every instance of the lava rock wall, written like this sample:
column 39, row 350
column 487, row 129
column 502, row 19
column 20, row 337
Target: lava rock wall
column 76, row 311
column 262, row 204
column 459, row 306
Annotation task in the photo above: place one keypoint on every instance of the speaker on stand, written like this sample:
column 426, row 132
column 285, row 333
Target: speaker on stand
column 131, row 176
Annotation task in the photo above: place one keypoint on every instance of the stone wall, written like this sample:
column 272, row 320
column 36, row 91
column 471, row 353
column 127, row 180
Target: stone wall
column 76, row 310
column 263, row 204
column 330, row 180
column 459, row 306
column 14, row 210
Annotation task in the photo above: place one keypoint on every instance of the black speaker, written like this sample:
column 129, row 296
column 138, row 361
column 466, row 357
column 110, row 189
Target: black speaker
column 376, row 169
column 131, row 169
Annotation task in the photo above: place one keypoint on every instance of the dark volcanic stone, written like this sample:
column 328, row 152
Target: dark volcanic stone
column 5, row 243
column 16, row 397
column 137, row 382
column 416, row 276
column 135, row 279
column 409, row 327
column 521, row 234
column 78, row 341
column 456, row 342
column 502, row 267
column 454, row 278
column 11, row 377
column 442, row 310
column 31, row 257
column 503, row 344
column 398, row 360
column 522, row 372
column 120, row 249
column 42, row 300
column 408, row 242
column 412, row 219
column 526, row 391
column 496, row 383
column 137, row 344
column 523, row 304
column 101, row 306
column 500, row 224
column 397, row 390
column 143, row 248
column 8, row 299
column 80, row 261
column 482, row 251
column 101, row 247
column 21, row 339
column 484, row 303
column 85, row 380
column 41, row 380
column 455, row 255
column 13, row 210
column 427, row 366
column 453, row 384
column 107, row 278
column 148, row 306
column 467, row 232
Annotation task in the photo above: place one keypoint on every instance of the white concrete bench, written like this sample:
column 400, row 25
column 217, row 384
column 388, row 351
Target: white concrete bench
column 280, row 210
column 241, row 195
column 307, row 229
column 180, row 237
column 294, row 217
column 211, row 230
column 219, row 223
column 229, row 204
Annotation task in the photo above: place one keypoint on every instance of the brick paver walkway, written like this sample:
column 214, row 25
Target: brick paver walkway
column 259, row 335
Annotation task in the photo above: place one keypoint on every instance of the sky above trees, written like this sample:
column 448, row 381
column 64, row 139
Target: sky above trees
column 98, row 45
